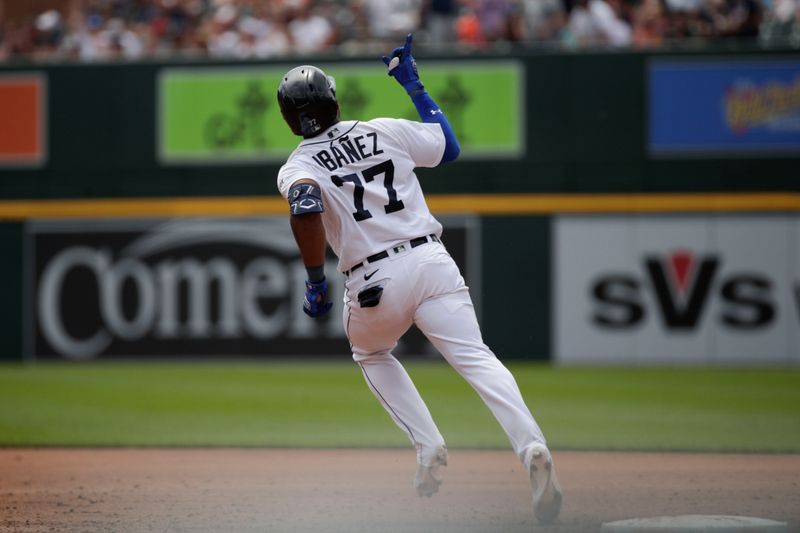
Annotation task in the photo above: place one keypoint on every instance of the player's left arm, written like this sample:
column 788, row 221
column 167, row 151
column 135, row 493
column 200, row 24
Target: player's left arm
column 403, row 68
column 305, row 205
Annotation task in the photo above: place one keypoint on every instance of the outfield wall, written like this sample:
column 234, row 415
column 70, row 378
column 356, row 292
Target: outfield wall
column 116, row 171
column 637, row 286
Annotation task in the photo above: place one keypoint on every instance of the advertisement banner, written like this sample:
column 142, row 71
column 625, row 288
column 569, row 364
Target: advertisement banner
column 230, row 114
column 710, row 107
column 186, row 288
column 676, row 289
column 23, row 119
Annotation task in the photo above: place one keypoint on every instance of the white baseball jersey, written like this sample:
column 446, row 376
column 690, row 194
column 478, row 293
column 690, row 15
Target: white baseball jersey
column 365, row 171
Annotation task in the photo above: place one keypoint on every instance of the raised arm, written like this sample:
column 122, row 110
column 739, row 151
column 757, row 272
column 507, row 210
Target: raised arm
column 403, row 68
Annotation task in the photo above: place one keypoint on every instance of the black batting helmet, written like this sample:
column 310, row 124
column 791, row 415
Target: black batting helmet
column 307, row 97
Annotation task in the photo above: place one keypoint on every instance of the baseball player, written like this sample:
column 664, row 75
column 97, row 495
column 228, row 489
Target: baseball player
column 352, row 183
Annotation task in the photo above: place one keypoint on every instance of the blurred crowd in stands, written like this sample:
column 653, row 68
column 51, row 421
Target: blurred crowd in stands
column 100, row 30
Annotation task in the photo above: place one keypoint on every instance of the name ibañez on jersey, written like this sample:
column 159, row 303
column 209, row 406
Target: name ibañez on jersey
column 350, row 150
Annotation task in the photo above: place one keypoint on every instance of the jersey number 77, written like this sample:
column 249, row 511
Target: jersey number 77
column 387, row 169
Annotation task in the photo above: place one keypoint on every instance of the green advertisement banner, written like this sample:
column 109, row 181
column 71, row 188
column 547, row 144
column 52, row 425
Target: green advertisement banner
column 230, row 114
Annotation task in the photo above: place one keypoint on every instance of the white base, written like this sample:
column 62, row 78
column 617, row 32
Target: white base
column 695, row 524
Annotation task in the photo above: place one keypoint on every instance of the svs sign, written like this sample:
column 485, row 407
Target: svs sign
column 682, row 287
column 677, row 289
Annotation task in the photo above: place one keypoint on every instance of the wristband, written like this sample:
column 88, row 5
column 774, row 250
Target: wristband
column 315, row 273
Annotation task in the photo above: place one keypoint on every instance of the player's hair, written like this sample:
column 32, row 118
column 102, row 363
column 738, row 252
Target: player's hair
column 307, row 98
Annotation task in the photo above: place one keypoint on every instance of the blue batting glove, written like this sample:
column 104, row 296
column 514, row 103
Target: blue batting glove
column 315, row 302
column 403, row 67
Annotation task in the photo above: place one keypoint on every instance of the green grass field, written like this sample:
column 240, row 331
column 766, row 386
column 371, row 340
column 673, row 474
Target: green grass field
column 328, row 405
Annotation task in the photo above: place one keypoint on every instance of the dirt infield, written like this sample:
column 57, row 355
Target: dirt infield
column 243, row 490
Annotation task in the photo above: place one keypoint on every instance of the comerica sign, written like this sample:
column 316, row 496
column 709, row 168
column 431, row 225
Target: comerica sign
column 182, row 288
column 239, row 291
column 677, row 289
column 194, row 287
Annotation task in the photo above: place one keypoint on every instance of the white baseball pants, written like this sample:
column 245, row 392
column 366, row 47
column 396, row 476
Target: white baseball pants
column 423, row 285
